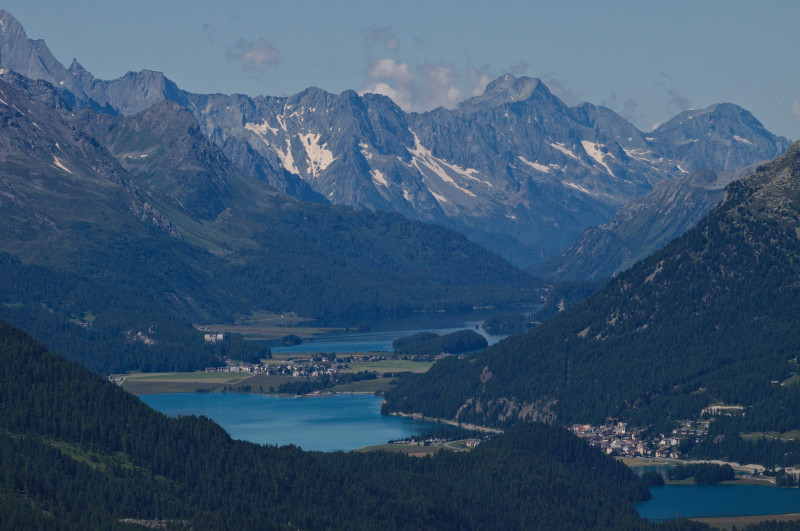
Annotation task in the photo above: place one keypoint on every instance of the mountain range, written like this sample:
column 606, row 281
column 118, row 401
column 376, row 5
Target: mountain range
column 515, row 169
column 121, row 230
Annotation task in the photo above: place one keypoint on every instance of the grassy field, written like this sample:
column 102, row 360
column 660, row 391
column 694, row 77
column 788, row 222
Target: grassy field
column 265, row 318
column 794, row 379
column 263, row 382
column 189, row 382
column 140, row 388
column 785, row 436
column 364, row 386
column 646, row 461
column 418, row 449
column 391, row 366
column 180, row 382
column 729, row 522
column 408, row 449
column 204, row 377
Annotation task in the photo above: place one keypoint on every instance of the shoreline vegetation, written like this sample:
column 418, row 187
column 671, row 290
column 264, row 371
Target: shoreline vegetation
column 727, row 523
column 474, row 427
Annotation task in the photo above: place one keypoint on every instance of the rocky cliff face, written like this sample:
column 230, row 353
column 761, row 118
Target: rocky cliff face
column 515, row 168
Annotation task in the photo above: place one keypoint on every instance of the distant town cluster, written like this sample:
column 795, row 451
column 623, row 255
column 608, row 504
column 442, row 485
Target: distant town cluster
column 617, row 438
column 301, row 367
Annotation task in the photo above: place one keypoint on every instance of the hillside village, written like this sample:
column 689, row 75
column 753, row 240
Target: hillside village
column 617, row 438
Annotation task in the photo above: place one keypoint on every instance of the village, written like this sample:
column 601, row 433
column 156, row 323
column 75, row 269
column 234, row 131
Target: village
column 617, row 438
column 301, row 367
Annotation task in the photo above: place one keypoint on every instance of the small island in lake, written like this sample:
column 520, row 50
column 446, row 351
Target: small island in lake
column 430, row 344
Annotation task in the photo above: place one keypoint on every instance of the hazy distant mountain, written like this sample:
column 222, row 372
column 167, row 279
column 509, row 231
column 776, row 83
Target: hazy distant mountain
column 515, row 168
column 640, row 227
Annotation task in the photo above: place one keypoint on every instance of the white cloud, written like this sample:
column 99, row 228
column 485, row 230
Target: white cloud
column 401, row 96
column 258, row 55
column 438, row 85
column 419, row 89
column 429, row 85
column 393, row 79
column 796, row 107
column 391, row 70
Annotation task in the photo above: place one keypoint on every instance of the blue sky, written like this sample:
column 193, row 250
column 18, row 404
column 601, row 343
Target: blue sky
column 646, row 60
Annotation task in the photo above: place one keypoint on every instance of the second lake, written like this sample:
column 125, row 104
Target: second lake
column 326, row 423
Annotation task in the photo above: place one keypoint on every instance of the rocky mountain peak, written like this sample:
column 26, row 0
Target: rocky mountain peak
column 9, row 25
column 508, row 89
column 75, row 66
column 721, row 136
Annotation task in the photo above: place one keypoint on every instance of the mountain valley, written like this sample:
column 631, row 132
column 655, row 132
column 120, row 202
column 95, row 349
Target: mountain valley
column 148, row 229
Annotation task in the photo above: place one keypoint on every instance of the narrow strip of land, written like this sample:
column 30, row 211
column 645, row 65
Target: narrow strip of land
column 729, row 522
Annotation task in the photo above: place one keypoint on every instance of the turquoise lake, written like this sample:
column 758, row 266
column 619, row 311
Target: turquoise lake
column 326, row 423
column 350, row 421
column 690, row 501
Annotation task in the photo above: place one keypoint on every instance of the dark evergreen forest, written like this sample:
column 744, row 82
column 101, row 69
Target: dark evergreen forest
column 79, row 452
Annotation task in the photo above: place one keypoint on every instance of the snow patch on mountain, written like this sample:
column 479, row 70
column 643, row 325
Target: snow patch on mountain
column 365, row 150
column 577, row 187
column 287, row 159
column 423, row 159
column 438, row 197
column 559, row 146
column 60, row 164
column 594, row 151
column 639, row 154
column 535, row 165
column 261, row 129
column 379, row 178
column 743, row 140
column 281, row 122
column 319, row 157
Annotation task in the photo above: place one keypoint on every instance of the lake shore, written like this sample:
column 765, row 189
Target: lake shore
column 729, row 522
column 417, row 416
column 752, row 469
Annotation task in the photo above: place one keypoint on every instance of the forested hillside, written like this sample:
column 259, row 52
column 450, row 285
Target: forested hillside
column 78, row 452
column 712, row 318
